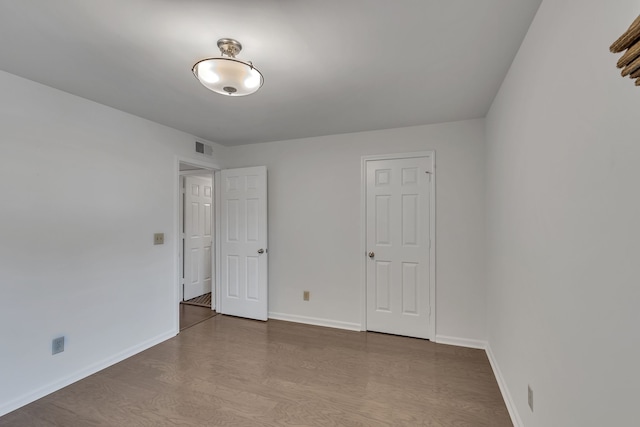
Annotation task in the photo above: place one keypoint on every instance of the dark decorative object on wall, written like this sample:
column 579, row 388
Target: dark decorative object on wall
column 630, row 61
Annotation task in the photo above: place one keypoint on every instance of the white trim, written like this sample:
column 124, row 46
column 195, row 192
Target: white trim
column 432, row 234
column 504, row 390
column 315, row 321
column 363, row 243
column 432, row 246
column 506, row 395
column 27, row 398
column 217, row 176
column 394, row 156
column 181, row 199
column 197, row 172
column 208, row 165
column 461, row 342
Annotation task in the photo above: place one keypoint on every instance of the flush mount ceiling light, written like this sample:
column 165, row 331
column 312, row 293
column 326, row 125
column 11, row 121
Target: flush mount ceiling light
column 226, row 74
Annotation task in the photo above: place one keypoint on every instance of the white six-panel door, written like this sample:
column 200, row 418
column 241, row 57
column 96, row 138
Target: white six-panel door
column 397, row 241
column 198, row 236
column 243, row 241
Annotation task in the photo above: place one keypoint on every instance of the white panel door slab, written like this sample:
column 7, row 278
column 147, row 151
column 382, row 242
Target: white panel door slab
column 397, row 241
column 243, row 243
column 198, row 223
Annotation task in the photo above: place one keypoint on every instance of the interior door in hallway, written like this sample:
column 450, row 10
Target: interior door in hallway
column 398, row 243
column 197, row 236
column 243, row 243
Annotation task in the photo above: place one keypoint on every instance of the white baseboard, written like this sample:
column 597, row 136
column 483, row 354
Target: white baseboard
column 506, row 396
column 315, row 321
column 461, row 342
column 484, row 345
column 25, row 399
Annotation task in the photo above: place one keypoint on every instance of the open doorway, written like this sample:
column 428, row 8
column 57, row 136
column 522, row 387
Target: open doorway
column 239, row 284
column 196, row 247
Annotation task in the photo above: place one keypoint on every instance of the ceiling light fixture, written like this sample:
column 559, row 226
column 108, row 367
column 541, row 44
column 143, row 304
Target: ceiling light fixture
column 226, row 74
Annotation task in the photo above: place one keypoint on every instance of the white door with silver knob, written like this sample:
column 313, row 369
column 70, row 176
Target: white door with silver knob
column 243, row 243
column 397, row 241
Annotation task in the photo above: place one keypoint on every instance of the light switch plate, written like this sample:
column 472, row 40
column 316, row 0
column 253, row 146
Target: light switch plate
column 158, row 239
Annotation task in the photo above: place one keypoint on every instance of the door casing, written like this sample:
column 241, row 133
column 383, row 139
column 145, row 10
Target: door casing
column 215, row 170
column 432, row 232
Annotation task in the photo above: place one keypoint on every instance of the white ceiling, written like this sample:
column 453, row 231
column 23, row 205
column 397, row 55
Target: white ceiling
column 330, row 66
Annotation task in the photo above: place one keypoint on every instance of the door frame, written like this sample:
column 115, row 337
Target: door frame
column 214, row 169
column 431, row 154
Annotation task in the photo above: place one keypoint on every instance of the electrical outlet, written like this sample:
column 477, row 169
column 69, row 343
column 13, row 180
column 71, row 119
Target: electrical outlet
column 306, row 295
column 57, row 345
column 158, row 239
column 530, row 397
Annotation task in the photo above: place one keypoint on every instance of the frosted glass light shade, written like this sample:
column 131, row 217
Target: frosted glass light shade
column 228, row 76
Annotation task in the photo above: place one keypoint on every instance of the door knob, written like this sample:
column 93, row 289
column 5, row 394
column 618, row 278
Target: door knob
column 371, row 254
column 260, row 251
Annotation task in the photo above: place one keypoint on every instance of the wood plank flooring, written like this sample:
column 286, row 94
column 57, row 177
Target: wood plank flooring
column 228, row 371
column 192, row 315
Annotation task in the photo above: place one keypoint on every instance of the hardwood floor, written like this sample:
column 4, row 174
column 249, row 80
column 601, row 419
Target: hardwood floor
column 228, row 371
column 192, row 315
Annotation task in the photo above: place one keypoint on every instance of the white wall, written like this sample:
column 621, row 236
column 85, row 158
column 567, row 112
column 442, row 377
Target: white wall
column 314, row 221
column 83, row 188
column 563, row 141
